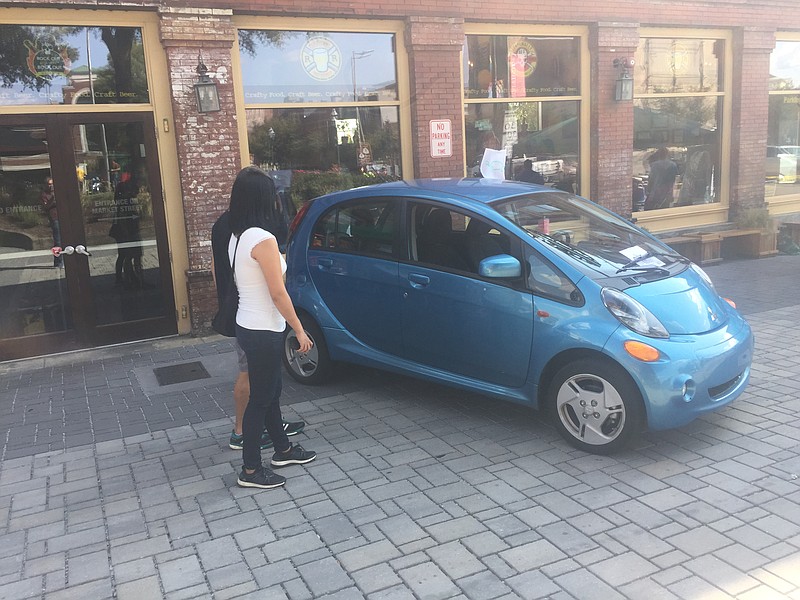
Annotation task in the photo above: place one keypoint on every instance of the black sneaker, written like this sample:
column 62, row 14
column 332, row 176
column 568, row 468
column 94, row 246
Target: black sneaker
column 260, row 478
column 295, row 456
column 237, row 441
column 293, row 427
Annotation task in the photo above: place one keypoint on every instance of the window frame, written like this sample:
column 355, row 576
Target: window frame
column 788, row 203
column 699, row 214
column 299, row 24
column 583, row 98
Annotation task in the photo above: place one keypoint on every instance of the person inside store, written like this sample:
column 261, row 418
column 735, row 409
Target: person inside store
column 264, row 311
column 528, row 175
column 661, row 180
column 48, row 201
column 125, row 231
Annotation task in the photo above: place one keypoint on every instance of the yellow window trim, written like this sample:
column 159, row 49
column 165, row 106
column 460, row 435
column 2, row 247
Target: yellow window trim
column 339, row 26
column 584, row 111
column 710, row 214
column 160, row 106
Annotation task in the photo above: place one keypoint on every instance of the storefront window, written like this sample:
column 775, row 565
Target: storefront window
column 677, row 158
column 538, row 132
column 313, row 151
column 783, row 131
column 322, row 108
column 72, row 65
column 546, row 133
column 499, row 66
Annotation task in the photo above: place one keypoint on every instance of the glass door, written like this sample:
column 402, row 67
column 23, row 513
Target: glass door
column 83, row 244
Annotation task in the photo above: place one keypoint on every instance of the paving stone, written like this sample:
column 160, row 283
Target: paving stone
column 181, row 573
column 375, row 578
column 428, row 581
column 455, row 560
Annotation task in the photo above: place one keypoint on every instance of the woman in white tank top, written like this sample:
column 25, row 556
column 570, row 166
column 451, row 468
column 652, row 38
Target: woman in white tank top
column 264, row 311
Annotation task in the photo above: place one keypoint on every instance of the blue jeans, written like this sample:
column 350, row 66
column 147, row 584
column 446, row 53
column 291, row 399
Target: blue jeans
column 263, row 350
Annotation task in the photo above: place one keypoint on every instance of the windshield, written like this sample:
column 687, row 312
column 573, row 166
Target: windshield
column 585, row 231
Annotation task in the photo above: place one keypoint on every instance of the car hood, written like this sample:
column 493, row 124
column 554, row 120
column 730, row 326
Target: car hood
column 684, row 303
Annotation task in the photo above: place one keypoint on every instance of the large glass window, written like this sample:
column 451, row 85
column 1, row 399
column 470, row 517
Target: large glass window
column 679, row 87
column 514, row 85
column 783, row 132
column 72, row 65
column 323, row 110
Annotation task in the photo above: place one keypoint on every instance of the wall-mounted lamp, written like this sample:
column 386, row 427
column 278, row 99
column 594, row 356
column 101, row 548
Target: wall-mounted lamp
column 623, row 89
column 205, row 90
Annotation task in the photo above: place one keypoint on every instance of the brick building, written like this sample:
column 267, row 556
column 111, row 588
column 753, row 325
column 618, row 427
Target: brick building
column 102, row 97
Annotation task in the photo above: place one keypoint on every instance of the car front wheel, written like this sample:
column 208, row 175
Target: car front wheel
column 313, row 367
column 595, row 405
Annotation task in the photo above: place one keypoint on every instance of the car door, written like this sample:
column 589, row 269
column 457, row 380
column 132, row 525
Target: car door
column 353, row 262
column 452, row 318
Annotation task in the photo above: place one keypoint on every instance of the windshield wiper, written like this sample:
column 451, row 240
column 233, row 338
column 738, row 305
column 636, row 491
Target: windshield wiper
column 565, row 248
column 633, row 264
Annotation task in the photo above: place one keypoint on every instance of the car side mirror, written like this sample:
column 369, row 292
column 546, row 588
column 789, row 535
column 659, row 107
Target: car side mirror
column 501, row 266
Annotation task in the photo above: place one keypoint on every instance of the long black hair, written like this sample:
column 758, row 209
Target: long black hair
column 254, row 203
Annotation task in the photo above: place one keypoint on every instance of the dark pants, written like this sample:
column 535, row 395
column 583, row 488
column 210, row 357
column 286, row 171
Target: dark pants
column 263, row 350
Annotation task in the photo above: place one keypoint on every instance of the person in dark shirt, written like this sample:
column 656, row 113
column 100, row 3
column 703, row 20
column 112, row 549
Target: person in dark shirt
column 528, row 175
column 661, row 180
column 48, row 202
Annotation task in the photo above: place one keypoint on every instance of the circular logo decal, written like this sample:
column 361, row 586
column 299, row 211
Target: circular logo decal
column 523, row 57
column 321, row 58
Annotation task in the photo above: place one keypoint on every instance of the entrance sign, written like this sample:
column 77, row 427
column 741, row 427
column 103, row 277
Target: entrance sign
column 441, row 138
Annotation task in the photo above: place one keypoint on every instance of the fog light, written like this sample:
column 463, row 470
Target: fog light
column 688, row 389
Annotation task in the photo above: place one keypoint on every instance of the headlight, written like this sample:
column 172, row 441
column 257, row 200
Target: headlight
column 632, row 314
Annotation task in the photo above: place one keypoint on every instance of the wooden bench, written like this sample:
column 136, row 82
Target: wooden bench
column 792, row 230
column 687, row 245
column 711, row 247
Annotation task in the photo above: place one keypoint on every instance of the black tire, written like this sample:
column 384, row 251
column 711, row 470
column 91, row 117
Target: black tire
column 609, row 424
column 313, row 368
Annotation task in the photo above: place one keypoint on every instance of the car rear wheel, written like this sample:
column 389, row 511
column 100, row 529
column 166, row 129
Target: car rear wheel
column 315, row 366
column 595, row 405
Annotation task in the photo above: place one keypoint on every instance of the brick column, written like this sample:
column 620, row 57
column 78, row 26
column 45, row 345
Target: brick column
column 750, row 113
column 611, row 126
column 434, row 50
column 208, row 143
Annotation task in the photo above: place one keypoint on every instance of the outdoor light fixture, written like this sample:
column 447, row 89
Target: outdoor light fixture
column 205, row 90
column 624, row 86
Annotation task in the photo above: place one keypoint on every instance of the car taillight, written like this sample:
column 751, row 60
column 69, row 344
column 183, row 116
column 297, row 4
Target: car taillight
column 298, row 218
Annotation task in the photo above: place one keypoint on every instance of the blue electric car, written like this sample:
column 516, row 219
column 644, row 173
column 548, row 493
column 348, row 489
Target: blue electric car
column 519, row 292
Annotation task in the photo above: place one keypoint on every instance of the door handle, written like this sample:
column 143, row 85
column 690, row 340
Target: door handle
column 67, row 250
column 418, row 281
column 325, row 262
column 81, row 249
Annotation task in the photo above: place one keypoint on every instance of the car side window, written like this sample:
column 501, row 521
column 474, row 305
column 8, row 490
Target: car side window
column 366, row 227
column 453, row 240
column 546, row 280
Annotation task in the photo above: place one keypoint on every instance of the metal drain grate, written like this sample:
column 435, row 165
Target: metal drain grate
column 181, row 373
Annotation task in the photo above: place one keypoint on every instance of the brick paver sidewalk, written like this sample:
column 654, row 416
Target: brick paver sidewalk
column 113, row 486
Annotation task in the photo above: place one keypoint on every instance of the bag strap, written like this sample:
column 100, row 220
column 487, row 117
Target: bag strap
column 233, row 264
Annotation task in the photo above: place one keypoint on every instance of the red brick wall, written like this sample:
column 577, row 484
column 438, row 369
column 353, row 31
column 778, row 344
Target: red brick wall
column 750, row 111
column 611, row 122
column 208, row 143
column 434, row 49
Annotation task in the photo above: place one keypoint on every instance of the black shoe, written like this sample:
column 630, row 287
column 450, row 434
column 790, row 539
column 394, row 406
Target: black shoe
column 295, row 456
column 293, row 427
column 260, row 478
column 237, row 441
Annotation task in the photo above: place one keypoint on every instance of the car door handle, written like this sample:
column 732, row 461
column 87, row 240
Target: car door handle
column 418, row 281
column 325, row 262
